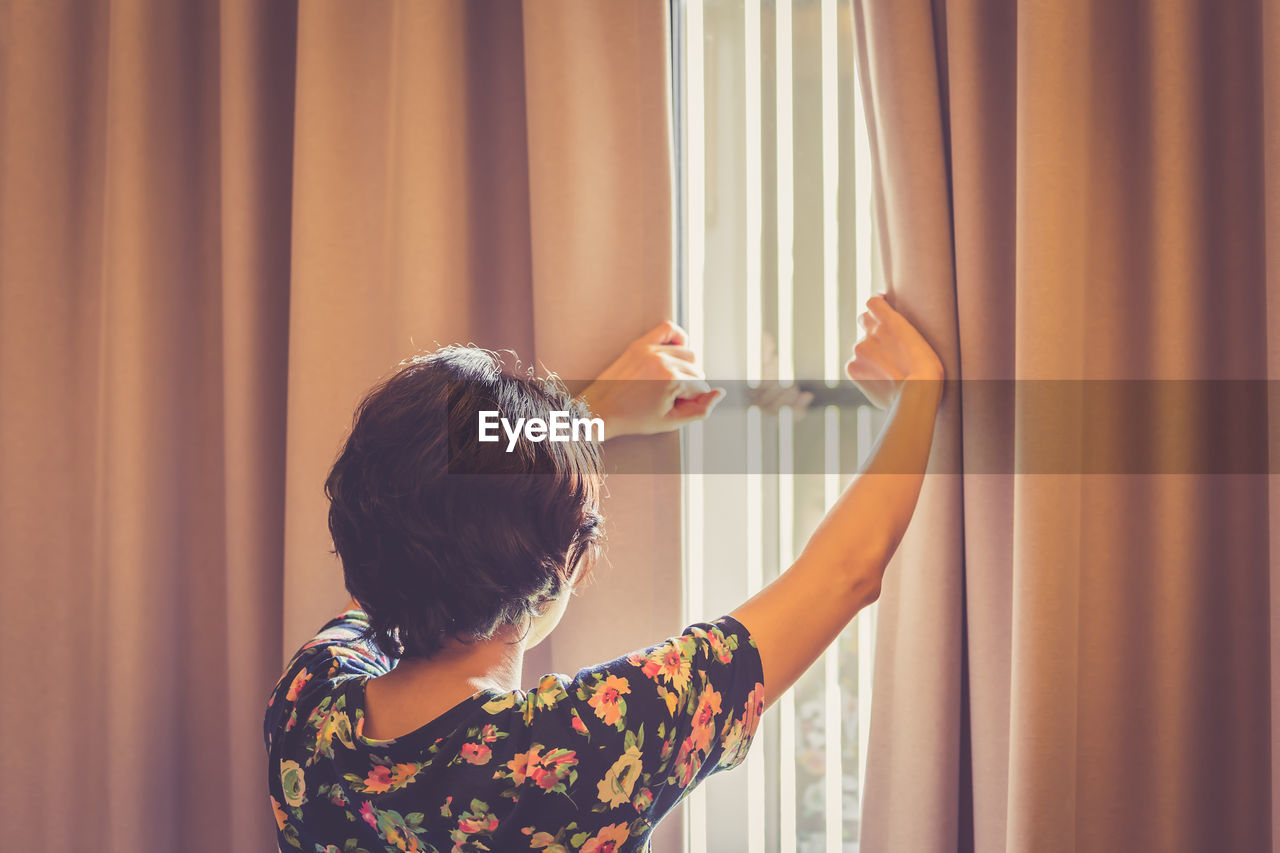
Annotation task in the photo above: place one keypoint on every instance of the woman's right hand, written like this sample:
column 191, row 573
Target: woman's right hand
column 891, row 353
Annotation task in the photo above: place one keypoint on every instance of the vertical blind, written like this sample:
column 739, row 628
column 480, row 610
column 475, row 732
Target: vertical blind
column 776, row 260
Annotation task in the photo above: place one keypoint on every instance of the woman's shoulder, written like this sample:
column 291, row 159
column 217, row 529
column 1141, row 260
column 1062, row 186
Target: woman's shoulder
column 340, row 651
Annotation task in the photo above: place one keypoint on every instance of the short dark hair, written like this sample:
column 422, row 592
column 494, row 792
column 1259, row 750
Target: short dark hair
column 442, row 536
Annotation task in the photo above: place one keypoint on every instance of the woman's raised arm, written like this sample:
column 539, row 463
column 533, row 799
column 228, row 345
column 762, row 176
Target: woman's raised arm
column 795, row 618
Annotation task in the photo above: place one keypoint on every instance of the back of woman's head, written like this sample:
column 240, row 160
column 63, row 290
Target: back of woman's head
column 442, row 536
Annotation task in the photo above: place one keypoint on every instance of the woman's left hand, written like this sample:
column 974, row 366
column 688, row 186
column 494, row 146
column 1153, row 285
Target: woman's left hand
column 656, row 385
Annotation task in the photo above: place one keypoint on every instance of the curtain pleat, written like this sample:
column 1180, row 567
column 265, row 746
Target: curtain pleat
column 1269, row 33
column 917, row 686
column 256, row 85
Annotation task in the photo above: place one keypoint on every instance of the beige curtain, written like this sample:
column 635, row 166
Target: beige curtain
column 1080, row 191
column 220, row 223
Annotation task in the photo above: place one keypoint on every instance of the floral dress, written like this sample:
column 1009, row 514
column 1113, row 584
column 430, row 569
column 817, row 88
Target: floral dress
column 587, row 764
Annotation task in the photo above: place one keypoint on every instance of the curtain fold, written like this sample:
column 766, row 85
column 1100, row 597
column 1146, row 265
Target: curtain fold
column 144, row 197
column 410, row 226
column 1269, row 31
column 917, row 687
column 219, row 224
column 1080, row 189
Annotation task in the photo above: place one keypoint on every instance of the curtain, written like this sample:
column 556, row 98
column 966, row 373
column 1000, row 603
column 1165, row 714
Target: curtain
column 219, row 224
column 1082, row 658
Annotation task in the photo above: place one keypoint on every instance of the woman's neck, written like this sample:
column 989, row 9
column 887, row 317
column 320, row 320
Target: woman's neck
column 484, row 664
column 418, row 690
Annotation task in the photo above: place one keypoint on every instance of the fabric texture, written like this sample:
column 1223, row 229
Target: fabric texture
column 220, row 223
column 589, row 763
column 1080, row 191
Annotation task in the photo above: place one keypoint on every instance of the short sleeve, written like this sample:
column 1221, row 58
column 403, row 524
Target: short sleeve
column 338, row 652
column 658, row 721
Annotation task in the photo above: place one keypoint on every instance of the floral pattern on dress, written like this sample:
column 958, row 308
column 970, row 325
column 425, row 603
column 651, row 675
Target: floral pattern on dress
column 588, row 764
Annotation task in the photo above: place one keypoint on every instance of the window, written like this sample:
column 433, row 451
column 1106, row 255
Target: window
column 775, row 260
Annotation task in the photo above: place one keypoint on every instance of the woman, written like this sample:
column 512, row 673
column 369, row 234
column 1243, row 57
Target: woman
column 401, row 726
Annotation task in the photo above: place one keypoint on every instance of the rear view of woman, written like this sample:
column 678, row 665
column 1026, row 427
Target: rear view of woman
column 401, row 725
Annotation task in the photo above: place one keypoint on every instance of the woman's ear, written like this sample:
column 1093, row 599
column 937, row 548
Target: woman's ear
column 583, row 576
